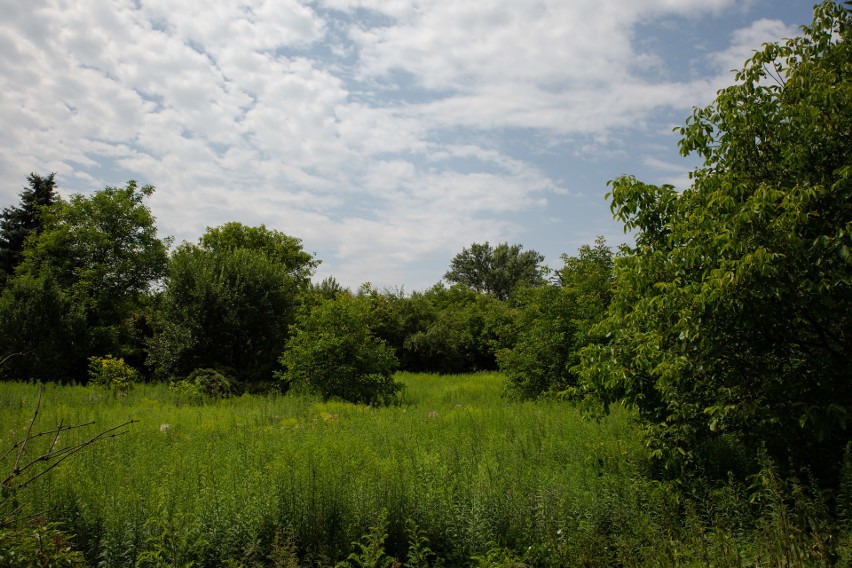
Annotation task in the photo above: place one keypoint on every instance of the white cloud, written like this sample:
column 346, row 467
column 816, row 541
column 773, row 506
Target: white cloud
column 379, row 138
column 745, row 41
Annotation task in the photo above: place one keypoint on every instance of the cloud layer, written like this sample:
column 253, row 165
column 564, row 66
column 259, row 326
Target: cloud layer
column 386, row 134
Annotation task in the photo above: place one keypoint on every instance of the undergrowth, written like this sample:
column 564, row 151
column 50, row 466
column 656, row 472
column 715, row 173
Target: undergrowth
column 454, row 475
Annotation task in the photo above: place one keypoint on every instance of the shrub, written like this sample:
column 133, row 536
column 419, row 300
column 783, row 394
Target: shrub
column 211, row 382
column 112, row 374
column 38, row 544
column 201, row 385
column 730, row 313
column 334, row 353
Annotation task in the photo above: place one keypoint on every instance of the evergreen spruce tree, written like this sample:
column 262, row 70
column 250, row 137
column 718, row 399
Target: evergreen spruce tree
column 17, row 223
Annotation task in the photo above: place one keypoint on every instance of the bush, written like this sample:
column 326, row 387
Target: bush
column 203, row 384
column 730, row 315
column 211, row 382
column 40, row 543
column 334, row 353
column 112, row 374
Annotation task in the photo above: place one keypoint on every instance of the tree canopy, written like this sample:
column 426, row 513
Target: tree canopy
column 496, row 270
column 100, row 254
column 18, row 223
column 555, row 321
column 730, row 320
column 278, row 247
column 227, row 303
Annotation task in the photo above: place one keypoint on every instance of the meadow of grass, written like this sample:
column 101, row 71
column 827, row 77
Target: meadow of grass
column 454, row 475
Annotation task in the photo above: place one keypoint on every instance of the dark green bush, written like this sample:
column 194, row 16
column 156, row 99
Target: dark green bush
column 211, row 382
column 333, row 353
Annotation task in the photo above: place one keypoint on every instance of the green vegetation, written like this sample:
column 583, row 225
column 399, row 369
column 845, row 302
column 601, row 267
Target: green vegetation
column 83, row 284
column 18, row 223
column 731, row 321
column 498, row 271
column 555, row 321
column 227, row 304
column 715, row 352
column 333, row 353
column 454, row 474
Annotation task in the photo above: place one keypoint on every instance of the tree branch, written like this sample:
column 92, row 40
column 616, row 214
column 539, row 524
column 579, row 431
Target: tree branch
column 50, row 459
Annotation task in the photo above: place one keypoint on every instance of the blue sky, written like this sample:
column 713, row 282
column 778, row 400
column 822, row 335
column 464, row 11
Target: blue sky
column 386, row 134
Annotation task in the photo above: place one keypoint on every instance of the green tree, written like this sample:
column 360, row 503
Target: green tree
column 334, row 353
column 40, row 331
column 102, row 253
column 227, row 303
column 18, row 223
column 498, row 270
column 461, row 334
column 554, row 322
column 282, row 249
column 328, row 288
column 398, row 317
column 589, row 275
column 730, row 320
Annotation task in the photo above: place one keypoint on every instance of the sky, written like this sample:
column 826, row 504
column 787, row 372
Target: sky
column 387, row 135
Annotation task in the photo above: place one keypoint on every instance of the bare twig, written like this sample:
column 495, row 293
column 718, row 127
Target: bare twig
column 66, row 453
column 56, row 437
column 7, row 357
column 50, row 459
column 40, row 434
column 11, row 519
column 15, row 469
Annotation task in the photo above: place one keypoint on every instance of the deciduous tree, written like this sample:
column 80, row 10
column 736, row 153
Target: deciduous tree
column 498, row 270
column 334, row 353
column 731, row 318
column 102, row 253
column 554, row 322
column 228, row 302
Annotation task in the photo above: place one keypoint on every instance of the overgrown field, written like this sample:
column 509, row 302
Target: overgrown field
column 454, row 475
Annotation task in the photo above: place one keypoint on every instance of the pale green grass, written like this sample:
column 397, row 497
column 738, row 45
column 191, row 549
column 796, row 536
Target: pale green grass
column 481, row 476
column 208, row 482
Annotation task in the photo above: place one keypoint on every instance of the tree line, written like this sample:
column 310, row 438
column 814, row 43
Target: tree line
column 725, row 324
column 89, row 277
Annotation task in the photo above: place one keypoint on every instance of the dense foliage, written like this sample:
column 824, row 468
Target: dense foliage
column 18, row 223
column 555, row 321
column 40, row 331
column 463, row 333
column 227, row 303
column 731, row 321
column 83, row 283
column 496, row 270
column 724, row 328
column 334, row 353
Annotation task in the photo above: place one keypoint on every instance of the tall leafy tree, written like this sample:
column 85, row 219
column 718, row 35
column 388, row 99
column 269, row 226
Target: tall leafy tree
column 102, row 253
column 278, row 247
column 730, row 320
column 228, row 302
column 555, row 321
column 18, row 223
column 496, row 270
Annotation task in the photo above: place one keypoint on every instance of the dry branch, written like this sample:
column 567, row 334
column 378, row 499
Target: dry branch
column 25, row 472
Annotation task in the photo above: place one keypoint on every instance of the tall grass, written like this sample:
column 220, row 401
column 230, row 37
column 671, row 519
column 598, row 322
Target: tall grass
column 263, row 481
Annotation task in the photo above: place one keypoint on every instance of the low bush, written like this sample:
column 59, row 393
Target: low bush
column 334, row 353
column 112, row 374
